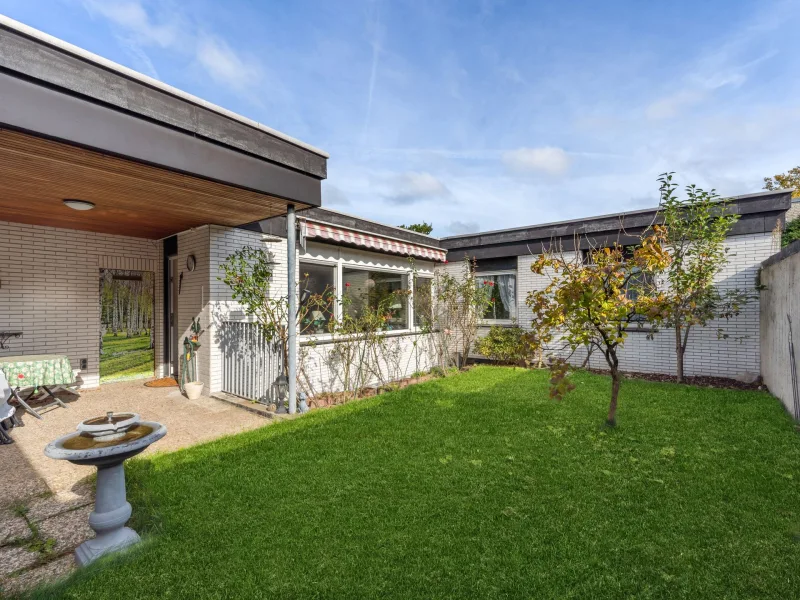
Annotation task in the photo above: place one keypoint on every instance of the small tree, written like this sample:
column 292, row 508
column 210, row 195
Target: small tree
column 423, row 227
column 786, row 181
column 248, row 273
column 695, row 232
column 594, row 302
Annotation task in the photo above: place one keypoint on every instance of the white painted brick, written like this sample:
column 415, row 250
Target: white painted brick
column 49, row 289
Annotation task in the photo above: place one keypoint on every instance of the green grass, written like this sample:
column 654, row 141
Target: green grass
column 126, row 357
column 477, row 486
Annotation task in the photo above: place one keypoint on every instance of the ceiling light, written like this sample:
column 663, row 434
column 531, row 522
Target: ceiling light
column 79, row 204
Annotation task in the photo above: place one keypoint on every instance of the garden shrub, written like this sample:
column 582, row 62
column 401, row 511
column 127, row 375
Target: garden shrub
column 508, row 345
column 791, row 233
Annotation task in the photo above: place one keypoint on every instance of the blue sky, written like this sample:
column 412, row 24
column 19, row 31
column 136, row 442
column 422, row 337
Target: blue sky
column 483, row 114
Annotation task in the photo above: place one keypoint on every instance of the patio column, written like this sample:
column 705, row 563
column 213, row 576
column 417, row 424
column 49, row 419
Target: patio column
column 291, row 241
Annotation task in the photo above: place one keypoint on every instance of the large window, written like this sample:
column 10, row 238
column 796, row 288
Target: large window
column 502, row 292
column 423, row 301
column 370, row 290
column 317, row 289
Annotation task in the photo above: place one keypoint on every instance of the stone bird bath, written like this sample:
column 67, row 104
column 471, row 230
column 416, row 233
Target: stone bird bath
column 106, row 443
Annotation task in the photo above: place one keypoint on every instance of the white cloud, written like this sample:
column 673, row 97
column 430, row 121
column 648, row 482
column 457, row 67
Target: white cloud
column 132, row 16
column 138, row 29
column 414, row 186
column 224, row 65
column 548, row 159
column 333, row 196
column 462, row 227
column 670, row 106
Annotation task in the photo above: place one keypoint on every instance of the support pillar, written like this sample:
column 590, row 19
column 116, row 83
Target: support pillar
column 291, row 241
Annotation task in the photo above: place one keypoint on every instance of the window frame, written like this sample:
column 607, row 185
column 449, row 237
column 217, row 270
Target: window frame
column 413, row 281
column 512, row 318
column 336, row 283
column 586, row 254
column 340, row 264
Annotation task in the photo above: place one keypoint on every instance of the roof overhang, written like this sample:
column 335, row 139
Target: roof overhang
column 153, row 162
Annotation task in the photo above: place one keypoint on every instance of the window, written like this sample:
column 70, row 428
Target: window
column 637, row 281
column 423, row 301
column 317, row 285
column 370, row 290
column 502, row 292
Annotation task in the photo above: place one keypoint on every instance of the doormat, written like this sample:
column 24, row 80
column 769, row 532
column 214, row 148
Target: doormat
column 163, row 382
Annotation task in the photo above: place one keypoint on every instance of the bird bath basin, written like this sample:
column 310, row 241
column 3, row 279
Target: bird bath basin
column 106, row 442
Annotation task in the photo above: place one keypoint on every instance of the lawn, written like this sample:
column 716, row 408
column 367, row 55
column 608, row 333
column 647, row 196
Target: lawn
column 477, row 485
column 125, row 357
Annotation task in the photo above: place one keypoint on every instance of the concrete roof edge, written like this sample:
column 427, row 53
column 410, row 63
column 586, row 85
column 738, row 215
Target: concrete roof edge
column 66, row 47
column 632, row 213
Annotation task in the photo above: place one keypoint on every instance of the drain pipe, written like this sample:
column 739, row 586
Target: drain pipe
column 291, row 241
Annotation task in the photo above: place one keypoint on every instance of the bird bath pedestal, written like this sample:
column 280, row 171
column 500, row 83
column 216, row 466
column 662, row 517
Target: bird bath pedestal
column 106, row 443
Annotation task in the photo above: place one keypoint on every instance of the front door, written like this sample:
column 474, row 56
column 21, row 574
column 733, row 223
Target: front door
column 172, row 305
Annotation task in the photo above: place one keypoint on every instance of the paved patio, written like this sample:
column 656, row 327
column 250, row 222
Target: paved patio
column 44, row 504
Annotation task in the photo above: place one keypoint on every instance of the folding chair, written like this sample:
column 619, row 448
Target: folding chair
column 8, row 417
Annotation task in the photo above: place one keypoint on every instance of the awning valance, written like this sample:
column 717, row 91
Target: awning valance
column 313, row 229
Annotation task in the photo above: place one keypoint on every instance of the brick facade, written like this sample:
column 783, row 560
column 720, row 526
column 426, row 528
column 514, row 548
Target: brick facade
column 706, row 354
column 50, row 289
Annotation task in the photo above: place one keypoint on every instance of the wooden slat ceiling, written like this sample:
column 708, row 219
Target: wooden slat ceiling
column 130, row 198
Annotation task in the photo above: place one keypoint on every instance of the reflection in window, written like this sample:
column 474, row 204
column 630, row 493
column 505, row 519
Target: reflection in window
column 369, row 290
column 317, row 284
column 502, row 292
column 423, row 301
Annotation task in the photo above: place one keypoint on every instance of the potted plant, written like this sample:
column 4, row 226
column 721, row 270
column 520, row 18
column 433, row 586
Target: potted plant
column 189, row 384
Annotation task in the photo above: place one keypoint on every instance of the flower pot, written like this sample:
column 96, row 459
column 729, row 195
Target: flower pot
column 193, row 389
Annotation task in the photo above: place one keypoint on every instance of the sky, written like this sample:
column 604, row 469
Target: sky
column 477, row 115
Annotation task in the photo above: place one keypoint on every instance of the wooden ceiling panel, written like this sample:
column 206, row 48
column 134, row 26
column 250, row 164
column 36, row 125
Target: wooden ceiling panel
column 130, row 198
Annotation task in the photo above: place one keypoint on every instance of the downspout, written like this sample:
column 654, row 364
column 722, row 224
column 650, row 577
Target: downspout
column 291, row 241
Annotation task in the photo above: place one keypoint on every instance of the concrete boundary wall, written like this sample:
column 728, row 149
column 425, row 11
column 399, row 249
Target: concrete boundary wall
column 780, row 296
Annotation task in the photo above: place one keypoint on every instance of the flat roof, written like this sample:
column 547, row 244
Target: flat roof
column 630, row 213
column 10, row 23
column 759, row 213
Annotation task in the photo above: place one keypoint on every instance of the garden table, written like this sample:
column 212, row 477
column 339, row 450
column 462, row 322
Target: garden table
column 35, row 372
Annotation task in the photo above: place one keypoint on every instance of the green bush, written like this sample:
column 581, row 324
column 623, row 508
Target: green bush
column 791, row 233
column 507, row 345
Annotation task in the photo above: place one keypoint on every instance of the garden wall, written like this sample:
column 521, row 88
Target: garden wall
column 50, row 289
column 780, row 296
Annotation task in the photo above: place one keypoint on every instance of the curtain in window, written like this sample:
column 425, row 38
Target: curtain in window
column 507, row 286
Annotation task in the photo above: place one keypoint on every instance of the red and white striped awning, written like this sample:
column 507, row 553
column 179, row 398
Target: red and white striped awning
column 312, row 229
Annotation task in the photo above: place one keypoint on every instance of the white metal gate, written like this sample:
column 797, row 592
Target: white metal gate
column 250, row 364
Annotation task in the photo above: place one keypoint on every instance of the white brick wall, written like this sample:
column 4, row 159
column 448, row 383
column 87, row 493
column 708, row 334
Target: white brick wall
column 194, row 295
column 706, row 354
column 50, row 288
column 408, row 350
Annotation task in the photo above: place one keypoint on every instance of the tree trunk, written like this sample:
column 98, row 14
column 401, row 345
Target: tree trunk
column 679, row 352
column 616, row 379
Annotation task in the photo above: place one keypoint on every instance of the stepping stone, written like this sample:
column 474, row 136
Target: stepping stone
column 14, row 558
column 49, row 573
column 44, row 508
column 12, row 527
column 69, row 529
